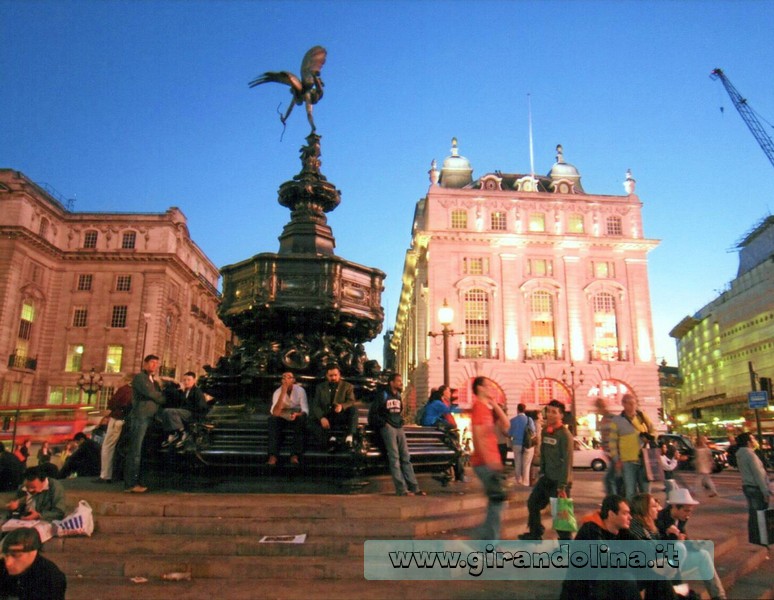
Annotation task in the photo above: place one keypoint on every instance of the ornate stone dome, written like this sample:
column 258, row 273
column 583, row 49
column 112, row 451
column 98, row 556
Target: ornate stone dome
column 565, row 173
column 456, row 171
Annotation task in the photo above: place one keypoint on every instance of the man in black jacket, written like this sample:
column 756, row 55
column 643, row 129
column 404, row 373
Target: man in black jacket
column 611, row 523
column 193, row 407
column 333, row 405
column 26, row 575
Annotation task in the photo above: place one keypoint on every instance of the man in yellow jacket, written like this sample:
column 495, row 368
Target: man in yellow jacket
column 628, row 432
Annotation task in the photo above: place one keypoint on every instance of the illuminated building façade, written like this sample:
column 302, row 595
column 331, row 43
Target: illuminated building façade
column 97, row 290
column 548, row 285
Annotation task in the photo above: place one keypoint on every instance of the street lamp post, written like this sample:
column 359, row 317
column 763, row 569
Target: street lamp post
column 94, row 384
column 572, row 385
column 445, row 318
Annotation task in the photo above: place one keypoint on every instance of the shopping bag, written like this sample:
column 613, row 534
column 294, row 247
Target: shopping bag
column 766, row 526
column 78, row 522
column 564, row 517
column 651, row 461
column 44, row 527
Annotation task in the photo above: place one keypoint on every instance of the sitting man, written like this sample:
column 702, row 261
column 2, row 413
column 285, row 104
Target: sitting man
column 610, row 523
column 85, row 459
column 333, row 404
column 39, row 498
column 671, row 523
column 24, row 573
column 289, row 409
column 192, row 407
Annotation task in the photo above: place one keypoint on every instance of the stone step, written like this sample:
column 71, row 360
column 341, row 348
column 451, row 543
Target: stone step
column 756, row 585
column 742, row 559
column 121, row 588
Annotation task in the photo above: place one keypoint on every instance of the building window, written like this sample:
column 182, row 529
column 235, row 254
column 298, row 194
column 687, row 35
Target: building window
column 118, row 319
column 542, row 343
column 540, row 267
column 459, row 218
column 123, row 283
column 80, row 316
column 128, row 240
column 603, row 269
column 474, row 265
column 476, row 307
column 26, row 321
column 605, row 328
column 43, row 229
column 74, row 361
column 499, row 221
column 114, row 356
column 614, row 226
column 90, row 239
column 537, row 222
column 575, row 224
column 84, row 283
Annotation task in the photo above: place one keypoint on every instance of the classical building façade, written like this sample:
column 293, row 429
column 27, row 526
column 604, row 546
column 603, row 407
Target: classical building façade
column 548, row 286
column 82, row 291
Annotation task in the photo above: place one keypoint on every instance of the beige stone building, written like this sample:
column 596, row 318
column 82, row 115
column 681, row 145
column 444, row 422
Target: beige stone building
column 82, row 291
column 548, row 287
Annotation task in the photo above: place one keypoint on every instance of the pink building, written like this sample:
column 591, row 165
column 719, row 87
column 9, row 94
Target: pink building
column 548, row 286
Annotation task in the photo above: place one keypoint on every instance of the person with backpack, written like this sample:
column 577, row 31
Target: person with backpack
column 523, row 435
column 438, row 412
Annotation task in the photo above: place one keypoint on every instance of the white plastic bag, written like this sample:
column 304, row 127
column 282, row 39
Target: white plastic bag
column 78, row 522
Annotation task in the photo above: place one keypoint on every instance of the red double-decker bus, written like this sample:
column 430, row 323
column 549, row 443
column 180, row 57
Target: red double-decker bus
column 54, row 425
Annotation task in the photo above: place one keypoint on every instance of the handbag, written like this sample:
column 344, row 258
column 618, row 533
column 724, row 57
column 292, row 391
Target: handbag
column 78, row 522
column 563, row 511
column 765, row 521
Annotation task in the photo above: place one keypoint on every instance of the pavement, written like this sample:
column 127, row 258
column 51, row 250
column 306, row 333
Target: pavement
column 204, row 525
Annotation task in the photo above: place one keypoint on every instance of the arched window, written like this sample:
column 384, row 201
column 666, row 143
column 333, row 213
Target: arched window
column 476, row 307
column 605, row 328
column 542, row 342
column 43, row 229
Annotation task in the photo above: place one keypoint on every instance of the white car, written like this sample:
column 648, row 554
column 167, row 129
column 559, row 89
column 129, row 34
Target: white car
column 584, row 456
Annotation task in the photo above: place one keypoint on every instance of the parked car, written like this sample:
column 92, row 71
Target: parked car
column 583, row 457
column 587, row 457
column 687, row 452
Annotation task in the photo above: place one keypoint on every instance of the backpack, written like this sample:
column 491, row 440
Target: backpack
column 530, row 437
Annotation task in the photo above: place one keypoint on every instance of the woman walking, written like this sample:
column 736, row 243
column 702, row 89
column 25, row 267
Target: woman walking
column 755, row 483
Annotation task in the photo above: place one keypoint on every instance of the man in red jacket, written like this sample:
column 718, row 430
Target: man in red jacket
column 119, row 405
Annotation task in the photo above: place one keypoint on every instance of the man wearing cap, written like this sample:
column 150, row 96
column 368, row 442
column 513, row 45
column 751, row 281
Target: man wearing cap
column 671, row 523
column 24, row 573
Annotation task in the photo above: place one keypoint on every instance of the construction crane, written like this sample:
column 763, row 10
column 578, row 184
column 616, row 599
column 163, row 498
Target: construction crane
column 749, row 116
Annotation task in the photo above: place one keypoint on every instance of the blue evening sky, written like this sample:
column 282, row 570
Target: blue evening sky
column 138, row 106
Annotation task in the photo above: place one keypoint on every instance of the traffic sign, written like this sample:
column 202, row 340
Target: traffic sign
column 758, row 399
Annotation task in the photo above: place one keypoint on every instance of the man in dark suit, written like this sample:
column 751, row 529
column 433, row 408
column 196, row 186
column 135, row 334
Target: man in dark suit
column 147, row 396
column 193, row 407
column 333, row 405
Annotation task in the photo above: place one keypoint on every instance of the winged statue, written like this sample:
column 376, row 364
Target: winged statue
column 307, row 90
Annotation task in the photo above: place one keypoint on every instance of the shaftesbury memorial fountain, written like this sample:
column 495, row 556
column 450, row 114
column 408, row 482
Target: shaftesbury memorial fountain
column 297, row 310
